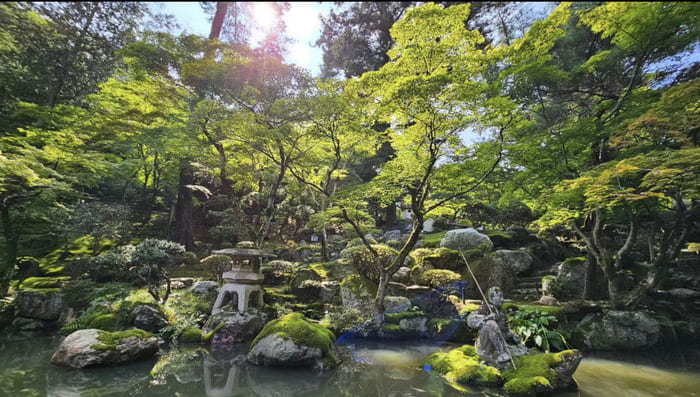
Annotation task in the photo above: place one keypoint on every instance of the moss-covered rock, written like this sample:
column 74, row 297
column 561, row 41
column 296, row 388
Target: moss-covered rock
column 91, row 347
column 190, row 335
column 41, row 283
column 293, row 340
column 462, row 365
column 440, row 277
column 542, row 374
column 357, row 292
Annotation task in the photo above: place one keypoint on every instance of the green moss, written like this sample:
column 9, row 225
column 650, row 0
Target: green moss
column 534, row 374
column 440, row 277
column 191, row 335
column 574, row 261
column 498, row 233
column 33, row 283
column 301, row 331
column 556, row 311
column 395, row 318
column 433, row 240
column 468, row 308
column 110, row 340
column 548, row 278
column 462, row 365
column 392, row 329
column 359, row 285
column 105, row 322
column 527, row 386
column 207, row 337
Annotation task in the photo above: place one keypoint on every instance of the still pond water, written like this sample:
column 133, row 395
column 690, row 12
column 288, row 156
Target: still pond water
column 368, row 369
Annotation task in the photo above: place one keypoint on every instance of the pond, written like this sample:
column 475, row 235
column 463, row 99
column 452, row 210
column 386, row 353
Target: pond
column 368, row 369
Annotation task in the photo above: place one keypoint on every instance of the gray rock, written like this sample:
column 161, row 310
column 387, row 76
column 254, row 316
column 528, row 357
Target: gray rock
column 237, row 328
column 396, row 304
column 619, row 330
column 392, row 235
column 28, row 324
column 330, row 292
column 403, row 275
column 429, row 226
column 513, row 261
column 276, row 351
column 565, row 371
column 465, row 239
column 39, row 305
column 148, row 318
column 77, row 350
column 358, row 297
column 204, row 287
column 548, row 301
column 568, row 284
column 417, row 326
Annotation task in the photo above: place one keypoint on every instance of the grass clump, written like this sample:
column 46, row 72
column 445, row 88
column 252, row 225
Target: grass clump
column 110, row 340
column 301, row 331
column 462, row 365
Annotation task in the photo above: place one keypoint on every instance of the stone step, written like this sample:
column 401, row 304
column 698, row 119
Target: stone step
column 529, row 285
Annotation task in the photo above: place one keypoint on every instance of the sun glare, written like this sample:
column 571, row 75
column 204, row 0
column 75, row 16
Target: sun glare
column 265, row 15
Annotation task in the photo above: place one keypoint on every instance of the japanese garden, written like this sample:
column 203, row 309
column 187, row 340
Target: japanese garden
column 466, row 199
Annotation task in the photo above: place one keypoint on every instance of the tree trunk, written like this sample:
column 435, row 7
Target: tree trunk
column 590, row 286
column 218, row 22
column 390, row 215
column 183, row 212
column 11, row 244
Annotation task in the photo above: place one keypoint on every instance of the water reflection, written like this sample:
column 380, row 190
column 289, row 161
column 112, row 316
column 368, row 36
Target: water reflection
column 367, row 369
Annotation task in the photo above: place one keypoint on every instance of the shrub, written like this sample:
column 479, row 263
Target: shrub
column 440, row 277
column 365, row 263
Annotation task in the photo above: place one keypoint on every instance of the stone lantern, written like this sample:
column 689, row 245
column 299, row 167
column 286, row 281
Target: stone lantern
column 244, row 279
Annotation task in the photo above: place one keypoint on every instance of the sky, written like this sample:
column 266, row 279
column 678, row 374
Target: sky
column 302, row 21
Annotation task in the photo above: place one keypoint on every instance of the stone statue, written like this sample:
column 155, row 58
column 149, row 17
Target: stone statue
column 496, row 342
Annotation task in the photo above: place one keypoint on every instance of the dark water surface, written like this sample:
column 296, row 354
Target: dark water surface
column 368, row 369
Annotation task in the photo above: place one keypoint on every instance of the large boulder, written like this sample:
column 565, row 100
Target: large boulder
column 234, row 327
column 570, row 279
column 148, row 318
column 465, row 239
column 38, row 305
column 293, row 341
column 542, row 374
column 514, row 261
column 90, row 347
column 358, row 293
column 619, row 330
column 435, row 304
column 392, row 235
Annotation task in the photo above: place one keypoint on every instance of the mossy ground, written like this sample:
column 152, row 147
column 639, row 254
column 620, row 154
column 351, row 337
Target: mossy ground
column 43, row 283
column 301, row 331
column 462, row 365
column 433, row 240
column 110, row 340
